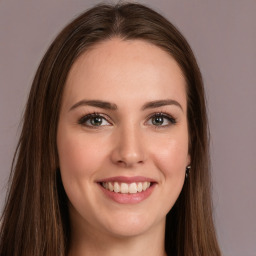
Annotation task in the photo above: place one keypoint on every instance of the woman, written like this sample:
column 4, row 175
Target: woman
column 114, row 122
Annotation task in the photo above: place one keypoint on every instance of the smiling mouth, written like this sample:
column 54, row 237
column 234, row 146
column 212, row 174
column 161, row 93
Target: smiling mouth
column 126, row 188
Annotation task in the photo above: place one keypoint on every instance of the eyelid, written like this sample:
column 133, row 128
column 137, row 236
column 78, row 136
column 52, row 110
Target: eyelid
column 86, row 117
column 168, row 116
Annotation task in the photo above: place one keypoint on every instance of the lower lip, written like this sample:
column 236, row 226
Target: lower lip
column 128, row 198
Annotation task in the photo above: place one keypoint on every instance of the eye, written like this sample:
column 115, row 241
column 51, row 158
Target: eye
column 161, row 119
column 94, row 120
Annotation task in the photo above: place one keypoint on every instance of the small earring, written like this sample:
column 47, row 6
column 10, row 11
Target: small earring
column 187, row 171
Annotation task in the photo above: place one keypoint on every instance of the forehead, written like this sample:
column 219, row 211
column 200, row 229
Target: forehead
column 121, row 69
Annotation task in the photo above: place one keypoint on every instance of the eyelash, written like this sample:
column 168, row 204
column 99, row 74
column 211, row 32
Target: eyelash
column 171, row 119
column 82, row 121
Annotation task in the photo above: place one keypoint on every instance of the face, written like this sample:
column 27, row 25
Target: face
column 123, row 138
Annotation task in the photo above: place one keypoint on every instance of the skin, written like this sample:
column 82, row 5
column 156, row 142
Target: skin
column 127, row 143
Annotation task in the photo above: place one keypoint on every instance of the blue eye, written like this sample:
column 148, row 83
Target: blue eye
column 93, row 120
column 161, row 119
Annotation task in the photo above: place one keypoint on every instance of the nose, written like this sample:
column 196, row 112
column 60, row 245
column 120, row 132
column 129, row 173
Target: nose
column 128, row 148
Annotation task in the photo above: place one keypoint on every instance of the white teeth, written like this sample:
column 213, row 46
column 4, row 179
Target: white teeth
column 110, row 186
column 133, row 188
column 116, row 187
column 139, row 187
column 145, row 185
column 126, row 188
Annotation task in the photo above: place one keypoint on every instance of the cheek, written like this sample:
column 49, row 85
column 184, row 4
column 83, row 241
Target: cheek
column 78, row 155
column 171, row 156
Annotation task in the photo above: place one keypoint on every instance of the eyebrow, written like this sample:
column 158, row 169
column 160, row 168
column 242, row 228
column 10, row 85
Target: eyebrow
column 95, row 103
column 112, row 106
column 161, row 103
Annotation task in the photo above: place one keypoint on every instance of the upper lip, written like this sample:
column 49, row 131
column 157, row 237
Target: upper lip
column 126, row 179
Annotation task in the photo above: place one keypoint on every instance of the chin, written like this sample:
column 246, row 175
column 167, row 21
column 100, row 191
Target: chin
column 132, row 224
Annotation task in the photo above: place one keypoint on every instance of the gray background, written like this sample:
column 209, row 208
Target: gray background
column 223, row 37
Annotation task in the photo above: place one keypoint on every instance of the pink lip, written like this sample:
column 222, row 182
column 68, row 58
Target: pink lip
column 127, row 198
column 127, row 179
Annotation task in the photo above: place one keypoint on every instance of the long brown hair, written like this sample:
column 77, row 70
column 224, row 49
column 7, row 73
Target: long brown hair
column 35, row 218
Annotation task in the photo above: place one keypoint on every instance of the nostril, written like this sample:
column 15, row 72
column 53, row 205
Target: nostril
column 128, row 163
column 120, row 162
